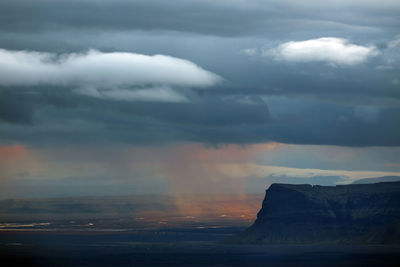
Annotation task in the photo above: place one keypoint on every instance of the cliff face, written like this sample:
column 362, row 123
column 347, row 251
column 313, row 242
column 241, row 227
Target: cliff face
column 358, row 213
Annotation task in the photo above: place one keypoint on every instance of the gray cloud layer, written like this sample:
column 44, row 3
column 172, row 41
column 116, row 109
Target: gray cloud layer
column 330, row 77
column 226, row 17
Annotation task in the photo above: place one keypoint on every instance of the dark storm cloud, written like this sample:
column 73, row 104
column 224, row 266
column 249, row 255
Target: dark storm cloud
column 81, row 117
column 120, row 15
column 208, row 119
column 210, row 17
column 326, row 97
column 15, row 108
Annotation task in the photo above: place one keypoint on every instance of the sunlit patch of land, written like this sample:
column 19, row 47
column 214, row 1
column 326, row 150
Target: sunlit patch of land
column 130, row 212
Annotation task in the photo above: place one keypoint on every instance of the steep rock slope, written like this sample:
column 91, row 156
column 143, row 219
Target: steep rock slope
column 304, row 214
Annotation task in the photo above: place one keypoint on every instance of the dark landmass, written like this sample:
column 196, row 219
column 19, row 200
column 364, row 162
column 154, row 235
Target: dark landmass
column 177, row 247
column 342, row 214
column 157, row 231
column 378, row 180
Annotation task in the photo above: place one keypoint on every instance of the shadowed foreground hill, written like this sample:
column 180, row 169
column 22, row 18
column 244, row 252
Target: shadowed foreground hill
column 304, row 214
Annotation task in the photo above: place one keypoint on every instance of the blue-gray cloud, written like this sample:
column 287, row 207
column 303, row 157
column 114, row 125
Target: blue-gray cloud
column 343, row 92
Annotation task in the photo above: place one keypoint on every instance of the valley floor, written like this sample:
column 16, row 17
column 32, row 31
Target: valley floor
column 174, row 247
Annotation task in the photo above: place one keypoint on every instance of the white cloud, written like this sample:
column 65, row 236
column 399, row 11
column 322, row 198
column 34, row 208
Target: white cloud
column 249, row 51
column 331, row 50
column 156, row 94
column 114, row 75
column 394, row 43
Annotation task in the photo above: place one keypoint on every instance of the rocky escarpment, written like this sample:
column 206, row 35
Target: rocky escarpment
column 305, row 214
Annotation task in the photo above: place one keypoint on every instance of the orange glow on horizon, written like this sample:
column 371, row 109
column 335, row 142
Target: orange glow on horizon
column 12, row 153
column 213, row 208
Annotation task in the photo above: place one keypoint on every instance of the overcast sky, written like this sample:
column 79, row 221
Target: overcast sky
column 299, row 85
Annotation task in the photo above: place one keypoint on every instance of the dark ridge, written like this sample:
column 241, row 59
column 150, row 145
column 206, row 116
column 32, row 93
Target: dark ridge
column 305, row 214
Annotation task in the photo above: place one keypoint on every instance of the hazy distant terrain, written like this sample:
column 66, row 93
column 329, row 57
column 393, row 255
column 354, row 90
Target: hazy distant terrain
column 130, row 212
column 378, row 180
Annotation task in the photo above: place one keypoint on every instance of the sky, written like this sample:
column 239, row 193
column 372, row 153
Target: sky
column 186, row 96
